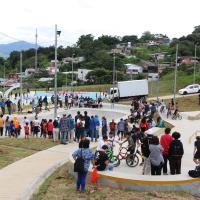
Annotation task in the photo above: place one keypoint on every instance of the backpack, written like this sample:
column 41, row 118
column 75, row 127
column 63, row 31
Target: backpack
column 79, row 164
column 194, row 173
column 176, row 148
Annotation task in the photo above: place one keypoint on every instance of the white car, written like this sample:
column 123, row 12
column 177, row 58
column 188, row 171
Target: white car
column 195, row 88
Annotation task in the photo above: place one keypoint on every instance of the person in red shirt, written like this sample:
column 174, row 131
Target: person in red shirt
column 165, row 141
column 27, row 130
column 144, row 125
column 50, row 128
column 112, row 127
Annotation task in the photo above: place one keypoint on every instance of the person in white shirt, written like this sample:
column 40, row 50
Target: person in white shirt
column 103, row 141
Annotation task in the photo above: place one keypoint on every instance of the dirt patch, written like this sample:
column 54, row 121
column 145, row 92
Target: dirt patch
column 61, row 186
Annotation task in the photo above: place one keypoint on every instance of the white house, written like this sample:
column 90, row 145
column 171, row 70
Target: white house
column 29, row 71
column 133, row 69
column 82, row 73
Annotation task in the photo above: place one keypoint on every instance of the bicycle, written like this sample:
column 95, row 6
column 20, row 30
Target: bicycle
column 176, row 116
column 112, row 158
column 132, row 160
column 123, row 152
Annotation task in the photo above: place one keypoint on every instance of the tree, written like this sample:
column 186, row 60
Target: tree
column 146, row 36
column 108, row 40
column 86, row 43
column 130, row 38
column 196, row 29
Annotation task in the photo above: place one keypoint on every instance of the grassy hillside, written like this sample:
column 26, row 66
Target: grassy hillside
column 166, row 83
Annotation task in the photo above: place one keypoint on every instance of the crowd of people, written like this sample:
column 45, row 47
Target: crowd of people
column 155, row 152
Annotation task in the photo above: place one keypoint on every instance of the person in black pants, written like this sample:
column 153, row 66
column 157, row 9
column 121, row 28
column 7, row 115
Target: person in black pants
column 156, row 157
column 175, row 154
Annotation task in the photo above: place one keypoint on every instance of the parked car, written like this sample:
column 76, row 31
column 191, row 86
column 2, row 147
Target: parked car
column 195, row 88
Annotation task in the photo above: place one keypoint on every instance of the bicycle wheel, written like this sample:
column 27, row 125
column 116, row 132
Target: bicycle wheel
column 132, row 160
column 173, row 117
column 115, row 161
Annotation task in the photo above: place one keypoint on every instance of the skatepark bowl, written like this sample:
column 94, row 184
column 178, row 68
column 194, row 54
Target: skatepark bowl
column 131, row 178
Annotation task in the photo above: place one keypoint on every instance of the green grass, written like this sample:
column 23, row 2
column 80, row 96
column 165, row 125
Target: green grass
column 166, row 83
column 12, row 149
column 9, row 154
column 61, row 185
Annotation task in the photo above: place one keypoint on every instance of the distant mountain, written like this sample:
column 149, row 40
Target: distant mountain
column 6, row 49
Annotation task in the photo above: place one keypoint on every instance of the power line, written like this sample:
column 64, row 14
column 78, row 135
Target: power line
column 40, row 43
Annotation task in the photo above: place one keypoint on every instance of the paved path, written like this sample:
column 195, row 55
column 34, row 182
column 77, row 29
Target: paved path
column 19, row 180
column 172, row 96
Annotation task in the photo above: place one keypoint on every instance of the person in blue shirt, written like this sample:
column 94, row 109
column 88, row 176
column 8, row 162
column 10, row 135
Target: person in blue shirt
column 3, row 106
column 97, row 124
column 88, row 156
column 104, row 126
column 93, row 129
column 71, row 126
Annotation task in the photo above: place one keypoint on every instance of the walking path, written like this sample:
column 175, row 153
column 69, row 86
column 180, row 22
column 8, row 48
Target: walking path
column 19, row 180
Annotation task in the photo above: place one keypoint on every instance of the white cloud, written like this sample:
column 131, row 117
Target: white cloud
column 114, row 17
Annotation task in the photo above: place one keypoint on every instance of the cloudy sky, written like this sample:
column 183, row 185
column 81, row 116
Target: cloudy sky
column 20, row 18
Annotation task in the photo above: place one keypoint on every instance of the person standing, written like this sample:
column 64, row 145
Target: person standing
column 175, row 154
column 104, row 126
column 55, row 130
column 121, row 128
column 87, row 131
column 97, row 124
column 156, row 157
column 92, row 129
column 66, row 101
column 86, row 153
column 1, row 125
column 17, row 126
column 165, row 141
column 9, row 106
column 112, row 126
column 45, row 100
column 145, row 142
column 7, row 126
column 36, row 127
column 63, row 129
column 3, row 107
column 27, row 130
column 50, row 128
column 71, row 127
column 197, row 151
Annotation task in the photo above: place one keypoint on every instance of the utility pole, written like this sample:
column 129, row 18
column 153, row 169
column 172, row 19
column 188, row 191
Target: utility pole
column 157, row 59
column 175, row 74
column 36, row 59
column 72, row 73
column 55, row 78
column 4, row 76
column 114, row 73
column 195, row 59
column 21, row 103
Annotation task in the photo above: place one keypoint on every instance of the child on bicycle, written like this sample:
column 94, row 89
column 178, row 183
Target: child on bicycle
column 131, row 142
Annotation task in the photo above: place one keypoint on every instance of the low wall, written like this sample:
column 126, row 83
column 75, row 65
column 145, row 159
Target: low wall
column 170, row 183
